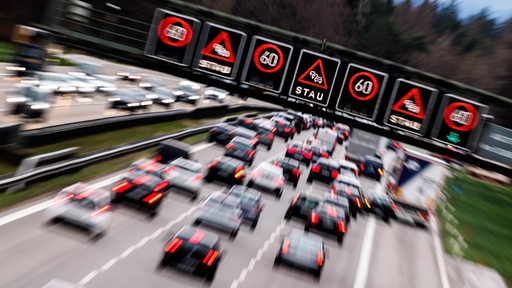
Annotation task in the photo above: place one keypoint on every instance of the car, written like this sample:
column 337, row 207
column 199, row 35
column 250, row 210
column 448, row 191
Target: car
column 372, row 167
column 266, row 132
column 242, row 149
column 381, row 205
column 216, row 94
column 295, row 119
column 328, row 218
column 221, row 212
column 56, row 83
column 131, row 99
column 247, row 122
column 267, row 177
column 193, row 250
column 150, row 83
column 340, row 201
column 291, row 169
column 129, row 74
column 247, row 134
column 162, row 96
column 285, row 128
column 301, row 206
column 342, row 131
column 349, row 168
column 226, row 169
column 186, row 175
column 316, row 151
column 298, row 151
column 82, row 205
column 142, row 190
column 101, row 83
column 327, row 138
column 324, row 170
column 250, row 200
column 221, row 133
column 31, row 101
column 302, row 250
column 299, row 118
column 186, row 96
column 350, row 188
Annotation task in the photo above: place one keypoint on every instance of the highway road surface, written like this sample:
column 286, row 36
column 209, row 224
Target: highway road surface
column 373, row 255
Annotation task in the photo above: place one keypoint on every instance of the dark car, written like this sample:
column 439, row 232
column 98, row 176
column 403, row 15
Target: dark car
column 292, row 118
column 302, row 250
column 186, row 96
column 372, row 167
column 301, row 206
column 342, row 131
column 241, row 148
column 285, row 129
column 324, row 170
column 291, row 169
column 266, row 132
column 350, row 187
column 193, row 251
column 130, row 99
column 30, row 101
column 251, row 202
column 222, row 133
column 247, row 122
column 340, row 201
column 316, row 151
column 328, row 218
column 162, row 96
column 381, row 205
column 141, row 189
column 226, row 169
column 298, row 151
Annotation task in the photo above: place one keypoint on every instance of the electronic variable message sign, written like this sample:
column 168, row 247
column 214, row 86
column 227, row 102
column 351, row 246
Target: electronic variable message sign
column 410, row 106
column 314, row 77
column 459, row 122
column 172, row 37
column 266, row 64
column 362, row 91
column 219, row 50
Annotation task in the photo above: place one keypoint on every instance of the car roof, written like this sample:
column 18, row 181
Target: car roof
column 187, row 163
column 205, row 238
column 222, row 198
column 351, row 179
column 373, row 159
column 230, row 160
column 288, row 160
column 246, row 191
column 86, row 191
column 309, row 238
column 345, row 163
column 329, row 162
column 242, row 140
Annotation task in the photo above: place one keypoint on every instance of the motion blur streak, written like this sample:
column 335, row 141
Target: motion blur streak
column 366, row 253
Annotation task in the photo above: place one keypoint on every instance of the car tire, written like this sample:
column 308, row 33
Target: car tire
column 269, row 147
column 233, row 234
column 279, row 194
column 340, row 239
column 310, row 179
column 286, row 139
column 153, row 213
column 295, row 184
column 250, row 184
column 210, row 139
column 194, row 197
column 317, row 274
column 210, row 276
column 253, row 225
column 208, row 178
column 385, row 219
column 306, row 227
column 288, row 215
column 277, row 262
column 196, row 222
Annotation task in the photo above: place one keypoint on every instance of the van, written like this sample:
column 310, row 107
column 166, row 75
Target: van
column 171, row 149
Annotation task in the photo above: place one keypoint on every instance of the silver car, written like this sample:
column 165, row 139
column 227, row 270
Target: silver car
column 186, row 175
column 82, row 205
column 267, row 177
column 221, row 212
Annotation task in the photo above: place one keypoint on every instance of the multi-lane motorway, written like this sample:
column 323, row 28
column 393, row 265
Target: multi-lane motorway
column 374, row 254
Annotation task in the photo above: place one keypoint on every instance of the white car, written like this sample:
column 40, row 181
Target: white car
column 101, row 83
column 216, row 94
column 63, row 83
column 267, row 177
column 221, row 212
column 84, row 206
column 186, row 175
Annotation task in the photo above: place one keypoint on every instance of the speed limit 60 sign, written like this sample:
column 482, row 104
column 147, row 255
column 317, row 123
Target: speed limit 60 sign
column 361, row 92
column 266, row 64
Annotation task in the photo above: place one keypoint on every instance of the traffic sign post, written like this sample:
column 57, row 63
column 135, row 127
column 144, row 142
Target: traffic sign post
column 314, row 77
column 410, row 106
column 459, row 122
column 172, row 37
column 362, row 91
column 219, row 50
column 266, row 64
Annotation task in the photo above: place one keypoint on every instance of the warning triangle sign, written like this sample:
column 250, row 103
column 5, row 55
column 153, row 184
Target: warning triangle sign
column 220, row 48
column 411, row 104
column 315, row 75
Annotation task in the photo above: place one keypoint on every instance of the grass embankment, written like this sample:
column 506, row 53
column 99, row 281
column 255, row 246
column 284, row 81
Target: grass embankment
column 85, row 174
column 6, row 52
column 483, row 211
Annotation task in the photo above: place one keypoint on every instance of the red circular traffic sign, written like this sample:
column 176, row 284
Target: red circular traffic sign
column 261, row 59
column 363, row 75
column 181, row 38
column 472, row 115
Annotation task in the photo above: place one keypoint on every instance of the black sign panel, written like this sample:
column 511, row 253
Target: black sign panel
column 266, row 64
column 459, row 122
column 314, row 77
column 410, row 106
column 362, row 91
column 219, row 50
column 172, row 37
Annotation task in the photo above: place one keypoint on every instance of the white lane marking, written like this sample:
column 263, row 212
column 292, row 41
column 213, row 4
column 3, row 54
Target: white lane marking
column 258, row 256
column 439, row 255
column 134, row 247
column 366, row 252
column 43, row 205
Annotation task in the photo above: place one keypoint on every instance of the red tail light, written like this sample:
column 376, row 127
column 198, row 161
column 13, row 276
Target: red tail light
column 251, row 153
column 287, row 130
column 346, row 133
column 307, row 154
column 85, row 194
column 175, row 244
column 256, row 209
column 230, row 145
column 325, row 155
column 347, row 191
column 270, row 136
column 101, row 210
column 341, row 226
column 285, row 246
column 361, row 165
column 210, row 257
column 63, row 198
column 295, row 199
column 256, row 174
column 319, row 258
column 334, row 174
column 162, row 185
column 157, row 158
column 380, row 172
column 296, row 172
column 232, row 132
column 358, row 203
column 422, row 216
column 331, row 211
column 196, row 237
column 395, row 208
column 292, row 150
column 213, row 164
column 279, row 181
column 153, row 197
column 356, row 172
column 314, row 217
column 315, row 168
column 248, row 121
column 121, row 187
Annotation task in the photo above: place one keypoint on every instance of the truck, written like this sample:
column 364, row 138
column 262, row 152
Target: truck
column 414, row 182
column 361, row 144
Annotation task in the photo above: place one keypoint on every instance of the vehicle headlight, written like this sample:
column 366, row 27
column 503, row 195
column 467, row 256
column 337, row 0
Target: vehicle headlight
column 144, row 85
column 151, row 96
column 178, row 93
column 134, row 77
column 108, row 89
column 146, row 103
column 48, row 87
column 16, row 99
column 40, row 106
column 15, row 68
column 123, row 74
column 193, row 97
column 133, row 104
column 113, row 99
column 168, row 101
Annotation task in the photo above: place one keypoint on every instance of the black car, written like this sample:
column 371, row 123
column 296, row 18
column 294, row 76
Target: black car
column 285, row 129
column 349, row 187
column 328, row 218
column 372, row 167
column 251, row 203
column 302, row 250
column 298, row 151
column 226, row 169
column 266, row 132
column 316, row 151
column 292, row 118
column 193, row 251
column 241, row 148
column 324, row 170
column 141, row 189
column 291, row 169
column 131, row 99
column 381, row 205
column 247, row 122
column 326, row 137
column 301, row 206
column 222, row 133
column 186, row 96
column 340, row 201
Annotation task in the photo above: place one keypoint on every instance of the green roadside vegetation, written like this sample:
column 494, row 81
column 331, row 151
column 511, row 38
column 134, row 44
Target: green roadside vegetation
column 483, row 214
column 6, row 52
